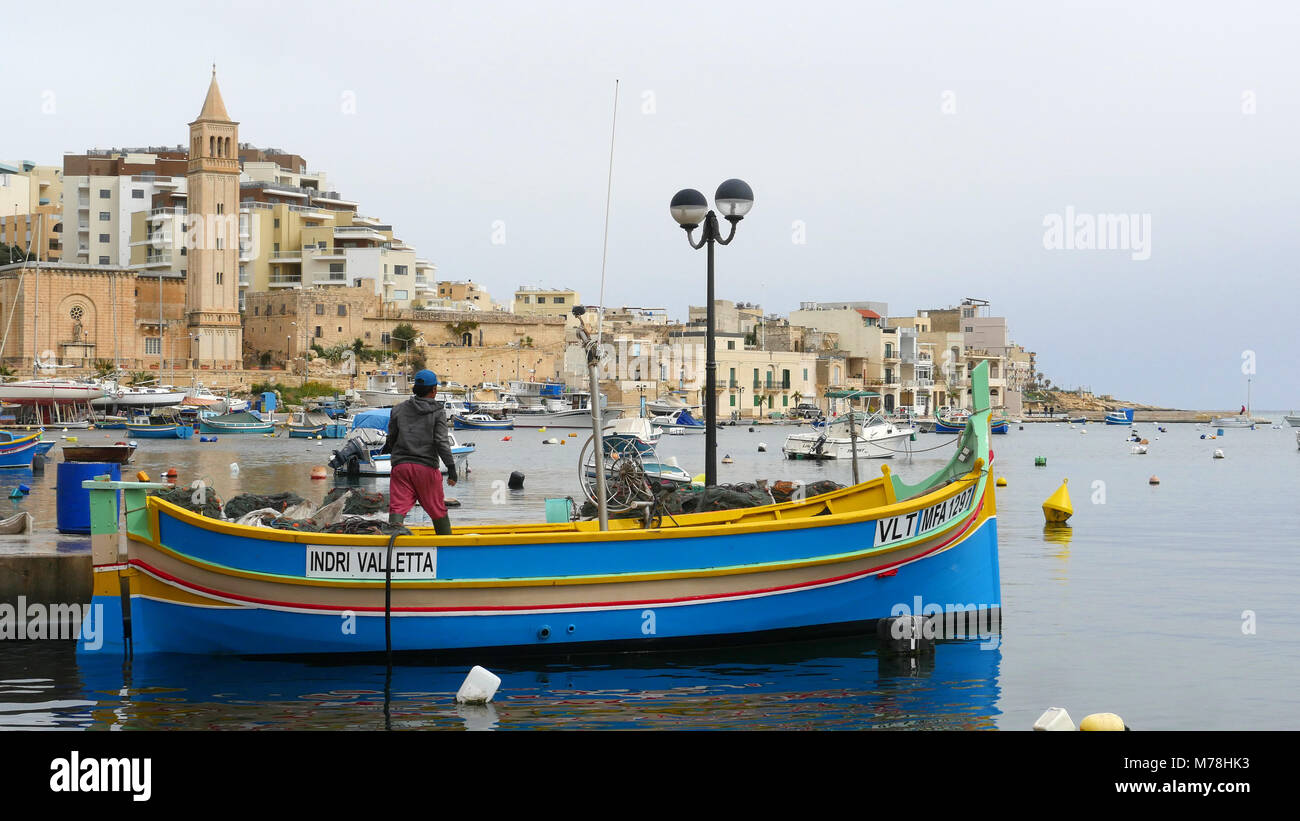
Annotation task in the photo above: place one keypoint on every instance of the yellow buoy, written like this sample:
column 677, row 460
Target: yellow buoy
column 1002, row 481
column 1102, row 721
column 698, row 480
column 1057, row 508
column 141, row 476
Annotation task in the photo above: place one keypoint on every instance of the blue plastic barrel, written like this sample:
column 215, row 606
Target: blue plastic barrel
column 72, row 500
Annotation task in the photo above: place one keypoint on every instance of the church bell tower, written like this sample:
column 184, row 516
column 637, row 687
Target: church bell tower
column 212, row 237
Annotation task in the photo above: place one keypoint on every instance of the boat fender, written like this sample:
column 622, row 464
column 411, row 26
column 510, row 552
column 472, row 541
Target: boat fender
column 1154, row 480
column 905, row 635
column 516, row 481
column 726, row 460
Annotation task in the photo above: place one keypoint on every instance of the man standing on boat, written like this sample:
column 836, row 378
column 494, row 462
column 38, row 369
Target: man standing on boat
column 417, row 439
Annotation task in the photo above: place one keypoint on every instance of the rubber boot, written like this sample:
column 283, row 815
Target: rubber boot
column 396, row 519
column 442, row 526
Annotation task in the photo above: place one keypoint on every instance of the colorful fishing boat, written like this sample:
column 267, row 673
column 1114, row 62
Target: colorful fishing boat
column 951, row 420
column 316, row 425
column 18, row 450
column 238, row 422
column 1000, row 426
column 826, row 564
column 481, row 421
column 159, row 430
column 43, row 447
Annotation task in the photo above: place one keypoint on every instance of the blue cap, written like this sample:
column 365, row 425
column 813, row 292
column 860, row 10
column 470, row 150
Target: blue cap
column 426, row 379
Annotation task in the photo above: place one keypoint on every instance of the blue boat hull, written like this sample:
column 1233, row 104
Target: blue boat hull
column 206, row 427
column 18, row 456
column 160, row 432
column 965, row 574
column 1000, row 427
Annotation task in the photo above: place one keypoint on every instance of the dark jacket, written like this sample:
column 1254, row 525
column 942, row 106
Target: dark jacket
column 417, row 432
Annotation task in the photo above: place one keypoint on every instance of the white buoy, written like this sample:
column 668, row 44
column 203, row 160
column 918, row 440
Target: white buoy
column 762, row 447
column 234, row 468
column 479, row 687
column 1218, row 454
column 1055, row 719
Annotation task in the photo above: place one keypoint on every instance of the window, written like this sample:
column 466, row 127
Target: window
column 318, row 333
column 805, row 374
column 733, row 400
column 732, row 378
column 399, row 270
column 152, row 345
column 337, row 267
column 320, row 309
column 137, row 194
column 103, row 260
column 528, row 300
column 105, row 193
column 103, row 238
column 969, row 329
column 785, row 400
column 104, row 216
column 276, row 223
column 383, row 337
column 343, row 311
column 758, row 400
column 340, row 329
column 256, row 310
column 541, row 300
column 220, row 277
column 399, row 294
column 559, row 300
column 183, row 251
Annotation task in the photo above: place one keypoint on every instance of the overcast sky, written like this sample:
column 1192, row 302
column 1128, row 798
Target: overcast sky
column 919, row 150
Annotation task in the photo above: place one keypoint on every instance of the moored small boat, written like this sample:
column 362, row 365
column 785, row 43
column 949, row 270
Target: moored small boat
column 481, row 421
column 1123, row 416
column 120, row 453
column 18, row 451
column 238, row 422
column 834, row 563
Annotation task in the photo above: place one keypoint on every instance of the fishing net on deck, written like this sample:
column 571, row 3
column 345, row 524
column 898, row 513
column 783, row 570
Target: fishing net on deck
column 358, row 502
column 203, row 501
column 245, row 503
column 675, row 500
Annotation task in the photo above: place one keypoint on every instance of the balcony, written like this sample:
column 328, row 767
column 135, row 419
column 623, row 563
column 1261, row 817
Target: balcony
column 328, row 252
column 331, row 279
column 282, row 281
column 286, row 256
column 155, row 261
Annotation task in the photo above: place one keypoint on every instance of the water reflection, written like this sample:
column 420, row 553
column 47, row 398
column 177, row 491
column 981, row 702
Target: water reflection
column 839, row 683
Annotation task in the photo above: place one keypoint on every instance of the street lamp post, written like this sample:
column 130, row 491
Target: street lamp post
column 689, row 207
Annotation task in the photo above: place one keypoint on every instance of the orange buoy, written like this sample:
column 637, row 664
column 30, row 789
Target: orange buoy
column 141, row 476
column 319, row 472
column 505, row 438
column 170, row 473
column 1154, row 480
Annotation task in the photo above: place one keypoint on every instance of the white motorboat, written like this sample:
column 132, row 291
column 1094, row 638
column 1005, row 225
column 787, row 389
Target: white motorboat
column 633, row 426
column 1293, row 421
column 1238, row 421
column 666, row 405
column 876, row 438
column 118, row 395
column 680, row 419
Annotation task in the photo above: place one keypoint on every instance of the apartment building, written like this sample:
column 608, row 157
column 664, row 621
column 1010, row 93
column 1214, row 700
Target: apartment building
column 31, row 208
column 536, row 301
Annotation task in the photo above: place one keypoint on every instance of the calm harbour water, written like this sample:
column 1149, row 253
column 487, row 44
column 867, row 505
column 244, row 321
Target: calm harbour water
column 1137, row 609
